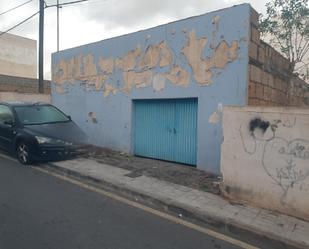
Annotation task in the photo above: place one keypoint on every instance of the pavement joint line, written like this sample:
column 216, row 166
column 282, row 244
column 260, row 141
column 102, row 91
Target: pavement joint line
column 160, row 214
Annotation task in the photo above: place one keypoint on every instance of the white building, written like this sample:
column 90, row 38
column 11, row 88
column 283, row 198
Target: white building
column 18, row 56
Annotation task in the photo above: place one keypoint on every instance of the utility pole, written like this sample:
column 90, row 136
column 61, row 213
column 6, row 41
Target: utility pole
column 41, row 47
column 58, row 25
column 59, row 6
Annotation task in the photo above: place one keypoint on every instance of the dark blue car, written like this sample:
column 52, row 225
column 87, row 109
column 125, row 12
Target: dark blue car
column 36, row 131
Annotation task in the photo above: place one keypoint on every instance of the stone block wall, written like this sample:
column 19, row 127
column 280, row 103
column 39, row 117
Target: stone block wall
column 268, row 78
column 25, row 97
column 21, row 85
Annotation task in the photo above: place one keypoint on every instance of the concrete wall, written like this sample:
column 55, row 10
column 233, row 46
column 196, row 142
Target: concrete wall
column 22, row 85
column 265, row 158
column 205, row 57
column 18, row 56
column 17, row 97
column 269, row 84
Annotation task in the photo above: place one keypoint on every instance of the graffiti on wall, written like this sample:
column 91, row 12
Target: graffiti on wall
column 285, row 161
column 151, row 67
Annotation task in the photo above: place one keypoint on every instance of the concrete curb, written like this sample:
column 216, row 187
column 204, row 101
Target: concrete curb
column 227, row 226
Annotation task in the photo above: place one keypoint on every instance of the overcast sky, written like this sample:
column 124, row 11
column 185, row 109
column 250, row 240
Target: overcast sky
column 96, row 20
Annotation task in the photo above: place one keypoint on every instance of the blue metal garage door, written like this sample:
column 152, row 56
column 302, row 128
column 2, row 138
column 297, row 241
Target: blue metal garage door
column 166, row 129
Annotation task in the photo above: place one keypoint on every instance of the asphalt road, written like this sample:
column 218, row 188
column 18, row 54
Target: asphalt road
column 40, row 211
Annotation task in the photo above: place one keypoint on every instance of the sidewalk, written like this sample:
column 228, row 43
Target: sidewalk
column 190, row 202
column 167, row 171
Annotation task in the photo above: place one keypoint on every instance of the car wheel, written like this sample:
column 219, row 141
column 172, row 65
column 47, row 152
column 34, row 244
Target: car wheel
column 23, row 153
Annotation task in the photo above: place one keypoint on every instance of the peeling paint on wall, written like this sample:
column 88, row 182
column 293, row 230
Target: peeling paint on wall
column 128, row 62
column 214, row 118
column 109, row 89
column 106, row 65
column 223, row 55
column 138, row 80
column 215, row 21
column 158, row 83
column 193, row 52
column 155, row 54
column 137, row 66
column 202, row 68
column 89, row 67
column 93, row 117
column 151, row 57
column 60, row 90
column 166, row 55
column 215, row 24
column 99, row 81
column 178, row 76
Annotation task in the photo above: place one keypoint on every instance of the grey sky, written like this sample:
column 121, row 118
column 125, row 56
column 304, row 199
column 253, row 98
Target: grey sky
column 100, row 19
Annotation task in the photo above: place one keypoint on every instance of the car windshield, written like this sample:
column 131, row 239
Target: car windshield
column 40, row 114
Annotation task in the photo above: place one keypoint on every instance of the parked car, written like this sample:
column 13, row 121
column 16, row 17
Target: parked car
column 37, row 131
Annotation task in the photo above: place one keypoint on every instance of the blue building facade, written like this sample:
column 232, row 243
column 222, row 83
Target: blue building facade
column 159, row 92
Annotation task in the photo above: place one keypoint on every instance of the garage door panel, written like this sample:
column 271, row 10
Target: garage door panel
column 186, row 127
column 153, row 124
column 166, row 129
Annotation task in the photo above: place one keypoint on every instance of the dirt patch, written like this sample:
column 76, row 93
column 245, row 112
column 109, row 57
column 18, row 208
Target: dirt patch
column 172, row 172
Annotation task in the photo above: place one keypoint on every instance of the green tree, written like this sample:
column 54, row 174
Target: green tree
column 286, row 26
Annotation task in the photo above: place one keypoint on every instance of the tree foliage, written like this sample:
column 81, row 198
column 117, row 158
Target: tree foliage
column 286, row 24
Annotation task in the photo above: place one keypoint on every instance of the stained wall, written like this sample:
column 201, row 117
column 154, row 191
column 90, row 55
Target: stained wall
column 205, row 57
column 265, row 158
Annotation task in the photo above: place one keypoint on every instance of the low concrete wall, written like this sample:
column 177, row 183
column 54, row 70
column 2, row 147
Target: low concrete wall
column 11, row 96
column 265, row 158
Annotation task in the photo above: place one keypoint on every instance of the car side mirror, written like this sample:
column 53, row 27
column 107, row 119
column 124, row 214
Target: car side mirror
column 9, row 122
column 69, row 117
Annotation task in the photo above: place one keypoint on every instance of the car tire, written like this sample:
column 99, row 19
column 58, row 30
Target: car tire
column 23, row 153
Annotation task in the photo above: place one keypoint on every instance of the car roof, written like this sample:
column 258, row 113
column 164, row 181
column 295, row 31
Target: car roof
column 22, row 103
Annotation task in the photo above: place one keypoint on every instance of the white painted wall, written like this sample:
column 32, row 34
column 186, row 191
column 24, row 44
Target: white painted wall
column 18, row 56
column 270, row 168
column 17, row 97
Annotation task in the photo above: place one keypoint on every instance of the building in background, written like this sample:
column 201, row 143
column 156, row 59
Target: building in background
column 18, row 56
column 18, row 67
column 159, row 93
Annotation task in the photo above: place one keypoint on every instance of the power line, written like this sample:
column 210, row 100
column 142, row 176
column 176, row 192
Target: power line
column 20, row 23
column 63, row 4
column 92, row 2
column 25, row 20
column 16, row 7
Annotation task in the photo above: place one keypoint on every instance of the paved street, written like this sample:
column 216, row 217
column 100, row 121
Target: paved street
column 40, row 211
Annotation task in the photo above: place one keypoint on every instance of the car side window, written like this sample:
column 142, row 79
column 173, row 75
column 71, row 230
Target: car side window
column 5, row 114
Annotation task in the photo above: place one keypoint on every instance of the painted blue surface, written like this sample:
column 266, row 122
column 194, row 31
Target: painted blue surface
column 114, row 113
column 166, row 129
